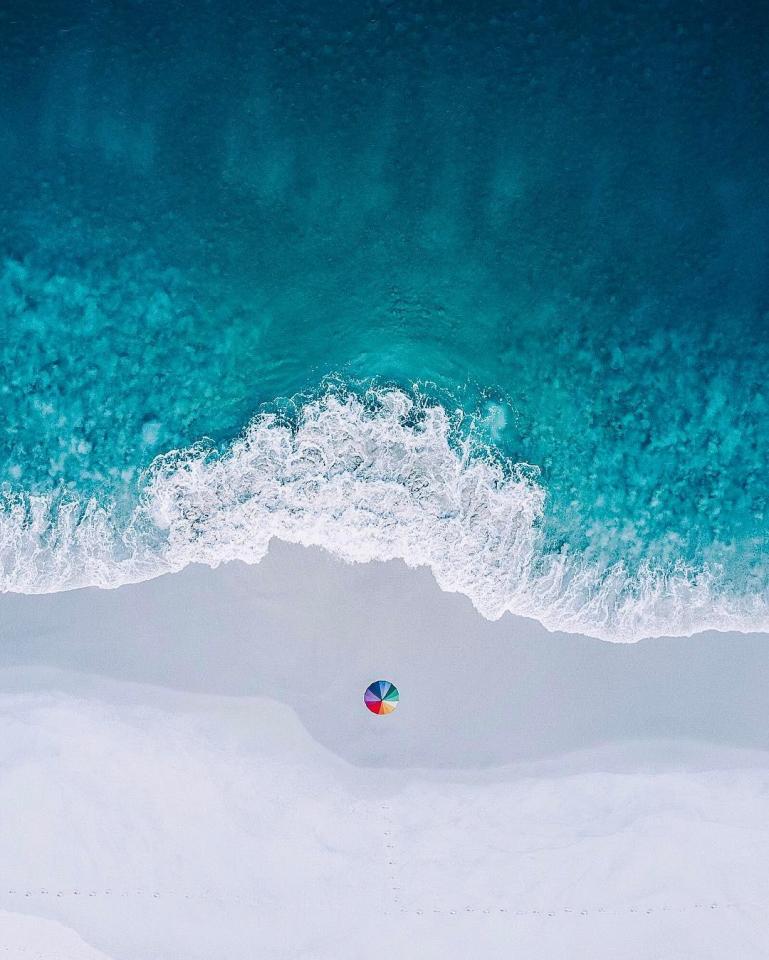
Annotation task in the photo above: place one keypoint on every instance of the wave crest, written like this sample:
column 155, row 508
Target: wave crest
column 379, row 477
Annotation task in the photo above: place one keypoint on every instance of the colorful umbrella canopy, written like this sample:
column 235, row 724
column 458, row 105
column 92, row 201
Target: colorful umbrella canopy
column 381, row 697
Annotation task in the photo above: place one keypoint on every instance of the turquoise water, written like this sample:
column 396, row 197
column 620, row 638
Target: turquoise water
column 551, row 223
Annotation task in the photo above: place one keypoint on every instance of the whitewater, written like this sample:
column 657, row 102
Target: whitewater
column 381, row 476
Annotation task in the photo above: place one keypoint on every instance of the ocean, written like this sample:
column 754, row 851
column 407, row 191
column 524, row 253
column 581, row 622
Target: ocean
column 478, row 286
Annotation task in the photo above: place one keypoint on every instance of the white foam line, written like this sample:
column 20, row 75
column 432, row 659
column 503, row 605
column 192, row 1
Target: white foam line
column 367, row 480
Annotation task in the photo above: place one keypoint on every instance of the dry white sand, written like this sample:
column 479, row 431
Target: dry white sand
column 187, row 772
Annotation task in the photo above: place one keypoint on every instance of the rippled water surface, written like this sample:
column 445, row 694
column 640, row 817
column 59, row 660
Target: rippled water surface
column 550, row 221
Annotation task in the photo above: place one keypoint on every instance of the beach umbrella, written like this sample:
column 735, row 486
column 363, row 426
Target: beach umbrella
column 381, row 697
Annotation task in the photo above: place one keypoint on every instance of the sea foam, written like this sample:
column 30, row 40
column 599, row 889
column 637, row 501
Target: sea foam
column 377, row 477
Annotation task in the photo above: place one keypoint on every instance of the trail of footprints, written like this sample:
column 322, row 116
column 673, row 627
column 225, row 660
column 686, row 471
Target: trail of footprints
column 397, row 904
column 393, row 891
column 132, row 894
column 566, row 911
column 397, row 900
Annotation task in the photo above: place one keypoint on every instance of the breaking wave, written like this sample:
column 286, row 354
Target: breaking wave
column 373, row 477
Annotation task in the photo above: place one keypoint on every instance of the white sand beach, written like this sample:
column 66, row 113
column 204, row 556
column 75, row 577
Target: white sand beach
column 187, row 772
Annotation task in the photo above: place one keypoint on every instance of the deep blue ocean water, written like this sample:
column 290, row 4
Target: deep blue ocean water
column 491, row 278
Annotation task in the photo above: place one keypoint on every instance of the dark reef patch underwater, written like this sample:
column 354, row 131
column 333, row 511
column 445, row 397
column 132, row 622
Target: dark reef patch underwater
column 491, row 279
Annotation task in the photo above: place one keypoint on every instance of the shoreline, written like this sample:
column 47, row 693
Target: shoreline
column 367, row 485
column 338, row 626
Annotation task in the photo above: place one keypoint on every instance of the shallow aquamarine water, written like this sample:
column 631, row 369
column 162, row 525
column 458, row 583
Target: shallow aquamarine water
column 554, row 219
